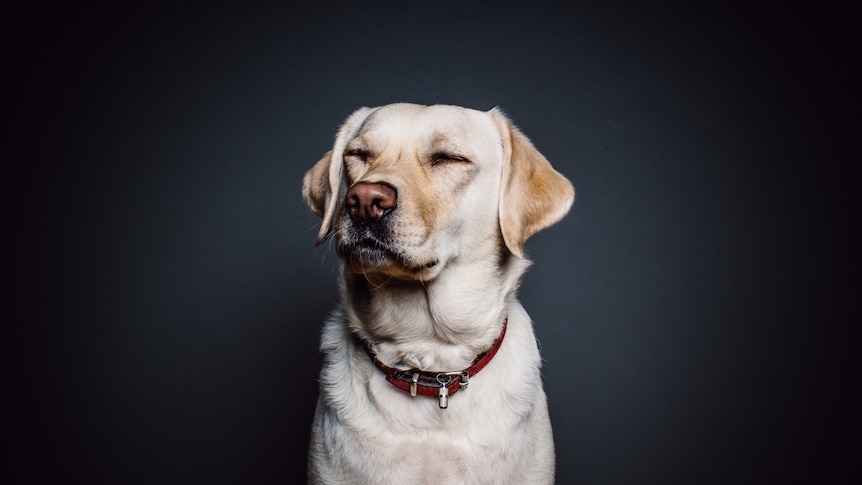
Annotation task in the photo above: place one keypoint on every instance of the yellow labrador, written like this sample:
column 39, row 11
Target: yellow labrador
column 431, row 368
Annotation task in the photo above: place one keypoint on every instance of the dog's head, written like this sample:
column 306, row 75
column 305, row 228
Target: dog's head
column 406, row 189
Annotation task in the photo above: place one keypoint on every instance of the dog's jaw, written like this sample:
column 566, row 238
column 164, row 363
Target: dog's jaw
column 436, row 324
column 378, row 259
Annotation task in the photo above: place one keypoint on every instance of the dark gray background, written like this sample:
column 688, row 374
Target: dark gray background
column 688, row 307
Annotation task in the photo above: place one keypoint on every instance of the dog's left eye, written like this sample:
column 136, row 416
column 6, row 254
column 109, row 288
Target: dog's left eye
column 442, row 157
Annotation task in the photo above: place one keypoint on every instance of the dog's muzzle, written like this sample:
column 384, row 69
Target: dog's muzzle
column 367, row 241
column 368, row 236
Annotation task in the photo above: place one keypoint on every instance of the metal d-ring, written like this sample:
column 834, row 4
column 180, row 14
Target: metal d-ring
column 463, row 375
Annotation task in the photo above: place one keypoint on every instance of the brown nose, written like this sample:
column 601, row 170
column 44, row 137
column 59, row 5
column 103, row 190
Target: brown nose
column 370, row 201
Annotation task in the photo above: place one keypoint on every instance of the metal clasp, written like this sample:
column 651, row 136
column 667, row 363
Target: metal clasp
column 444, row 397
column 445, row 378
column 413, row 384
column 465, row 380
column 463, row 375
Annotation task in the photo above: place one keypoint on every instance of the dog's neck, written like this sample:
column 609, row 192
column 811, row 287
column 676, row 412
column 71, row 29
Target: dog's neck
column 439, row 324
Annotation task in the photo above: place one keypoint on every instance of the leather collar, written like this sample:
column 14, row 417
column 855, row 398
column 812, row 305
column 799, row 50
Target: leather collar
column 441, row 385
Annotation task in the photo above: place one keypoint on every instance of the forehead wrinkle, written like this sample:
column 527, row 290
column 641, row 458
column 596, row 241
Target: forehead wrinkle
column 444, row 140
column 439, row 138
column 359, row 142
column 380, row 134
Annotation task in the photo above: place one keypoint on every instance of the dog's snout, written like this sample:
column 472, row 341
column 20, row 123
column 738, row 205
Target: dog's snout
column 370, row 201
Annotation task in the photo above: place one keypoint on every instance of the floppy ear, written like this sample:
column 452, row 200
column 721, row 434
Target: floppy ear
column 324, row 186
column 533, row 195
column 315, row 185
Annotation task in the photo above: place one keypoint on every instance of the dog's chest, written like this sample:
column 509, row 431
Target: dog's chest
column 430, row 457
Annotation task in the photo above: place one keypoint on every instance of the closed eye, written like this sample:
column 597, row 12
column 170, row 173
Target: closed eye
column 440, row 158
column 359, row 153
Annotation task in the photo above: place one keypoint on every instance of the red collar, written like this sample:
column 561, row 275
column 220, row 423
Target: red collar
column 435, row 384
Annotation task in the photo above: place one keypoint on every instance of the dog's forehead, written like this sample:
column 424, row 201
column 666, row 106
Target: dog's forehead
column 428, row 125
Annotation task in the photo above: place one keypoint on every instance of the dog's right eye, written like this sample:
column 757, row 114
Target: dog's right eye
column 357, row 153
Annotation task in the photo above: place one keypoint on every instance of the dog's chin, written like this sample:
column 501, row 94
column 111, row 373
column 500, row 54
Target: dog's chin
column 374, row 261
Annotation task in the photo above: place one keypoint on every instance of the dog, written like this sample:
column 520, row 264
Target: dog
column 431, row 370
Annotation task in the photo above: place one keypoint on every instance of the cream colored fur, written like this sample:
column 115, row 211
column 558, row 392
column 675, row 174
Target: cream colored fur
column 471, row 188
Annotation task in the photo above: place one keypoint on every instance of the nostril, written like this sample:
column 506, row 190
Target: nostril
column 370, row 201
